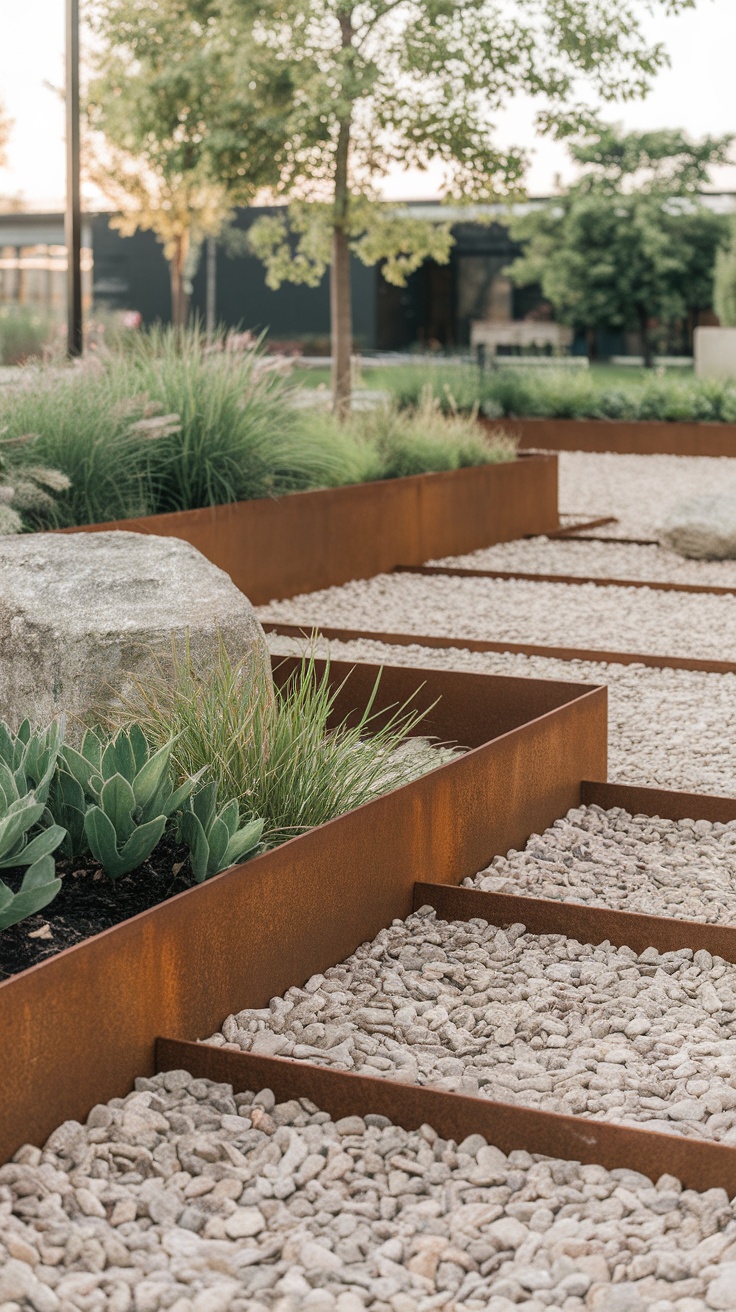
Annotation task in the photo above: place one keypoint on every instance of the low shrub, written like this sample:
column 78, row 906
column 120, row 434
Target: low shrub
column 571, row 394
column 390, row 442
column 25, row 334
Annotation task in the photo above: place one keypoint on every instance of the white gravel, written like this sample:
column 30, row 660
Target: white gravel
column 682, row 868
column 549, row 614
column 597, row 560
column 639, row 490
column 666, row 728
column 182, row 1196
column 539, row 1020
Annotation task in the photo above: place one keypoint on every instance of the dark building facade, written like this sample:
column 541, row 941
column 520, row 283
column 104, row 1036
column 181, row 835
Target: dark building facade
column 434, row 309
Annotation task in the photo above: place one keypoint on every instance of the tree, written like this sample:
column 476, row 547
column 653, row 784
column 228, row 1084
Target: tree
column 724, row 295
column 180, row 129
column 408, row 82
column 630, row 241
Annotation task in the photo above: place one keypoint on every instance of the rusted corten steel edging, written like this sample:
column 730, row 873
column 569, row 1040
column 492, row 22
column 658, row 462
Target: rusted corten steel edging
column 697, row 1163
column 597, row 580
column 638, row 437
column 276, row 548
column 519, row 648
column 78, row 1028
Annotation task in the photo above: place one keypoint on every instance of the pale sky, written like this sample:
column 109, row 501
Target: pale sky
column 696, row 93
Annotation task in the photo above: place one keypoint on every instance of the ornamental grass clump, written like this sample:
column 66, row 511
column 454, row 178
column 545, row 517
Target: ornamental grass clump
column 391, row 442
column 277, row 754
column 170, row 423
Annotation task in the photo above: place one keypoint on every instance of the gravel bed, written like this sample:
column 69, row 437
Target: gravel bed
column 611, row 560
column 550, row 614
column 666, row 728
column 639, row 490
column 186, row 1197
column 682, row 868
column 539, row 1020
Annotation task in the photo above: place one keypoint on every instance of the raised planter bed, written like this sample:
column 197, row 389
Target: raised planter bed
column 273, row 549
column 80, row 1026
column 639, row 438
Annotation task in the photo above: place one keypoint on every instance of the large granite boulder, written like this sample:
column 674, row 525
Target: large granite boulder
column 83, row 614
column 702, row 528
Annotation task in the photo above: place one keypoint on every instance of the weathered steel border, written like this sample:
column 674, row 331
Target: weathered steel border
column 519, row 648
column 697, row 1163
column 666, row 803
column 586, row 922
column 638, row 437
column 597, row 580
column 583, row 526
column 276, row 548
column 78, row 1028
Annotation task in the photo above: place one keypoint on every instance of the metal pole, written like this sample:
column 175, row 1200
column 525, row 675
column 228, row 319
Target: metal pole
column 73, row 216
column 211, row 288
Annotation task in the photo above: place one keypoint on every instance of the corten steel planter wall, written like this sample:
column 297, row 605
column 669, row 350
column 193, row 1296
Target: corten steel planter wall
column 274, row 549
column 639, row 437
column 79, row 1027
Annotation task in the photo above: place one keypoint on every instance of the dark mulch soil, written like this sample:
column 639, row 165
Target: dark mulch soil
column 89, row 902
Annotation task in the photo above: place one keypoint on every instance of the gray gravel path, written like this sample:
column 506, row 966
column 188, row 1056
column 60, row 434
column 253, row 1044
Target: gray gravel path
column 550, row 614
column 683, row 868
column 640, row 490
column 540, row 1020
column 183, row 1197
column 597, row 560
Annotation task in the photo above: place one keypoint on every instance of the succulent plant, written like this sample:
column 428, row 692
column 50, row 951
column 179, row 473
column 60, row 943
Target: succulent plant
column 31, row 755
column 21, row 811
column 213, row 837
column 115, row 796
column 39, row 887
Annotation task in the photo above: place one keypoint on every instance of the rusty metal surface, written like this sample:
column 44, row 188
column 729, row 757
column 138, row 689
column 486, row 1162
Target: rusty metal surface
column 595, row 537
column 276, row 548
column 601, row 522
column 697, row 1163
column 597, row 580
column 78, row 1028
column 522, row 648
column 640, row 437
column 662, row 802
column 587, row 923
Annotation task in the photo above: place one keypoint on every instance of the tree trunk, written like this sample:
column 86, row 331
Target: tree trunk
column 341, row 313
column 179, row 294
column 341, row 298
column 646, row 341
column 591, row 341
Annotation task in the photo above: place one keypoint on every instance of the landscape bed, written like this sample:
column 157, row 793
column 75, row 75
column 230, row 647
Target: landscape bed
column 83, row 1024
column 276, row 548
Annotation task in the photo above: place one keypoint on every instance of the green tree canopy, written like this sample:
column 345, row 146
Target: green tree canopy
column 379, row 83
column 631, row 241
column 183, row 122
